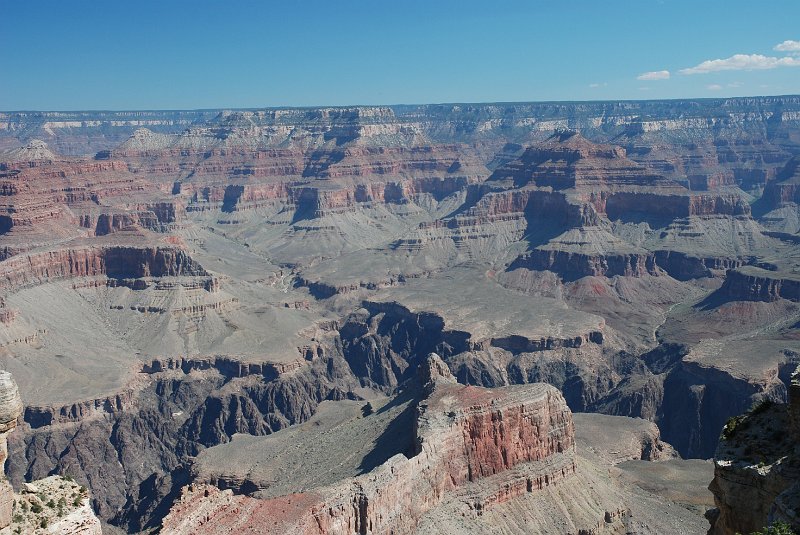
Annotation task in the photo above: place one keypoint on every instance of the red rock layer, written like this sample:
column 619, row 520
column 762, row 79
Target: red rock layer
column 572, row 265
column 463, row 435
column 571, row 161
column 43, row 203
column 113, row 261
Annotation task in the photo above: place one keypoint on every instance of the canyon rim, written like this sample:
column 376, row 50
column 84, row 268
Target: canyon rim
column 225, row 308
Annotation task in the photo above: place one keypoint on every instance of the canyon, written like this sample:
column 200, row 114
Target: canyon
column 412, row 318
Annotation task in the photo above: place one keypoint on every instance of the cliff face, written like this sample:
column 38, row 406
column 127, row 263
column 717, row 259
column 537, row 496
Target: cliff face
column 201, row 274
column 52, row 505
column 463, row 435
column 753, row 284
column 757, row 469
column 10, row 410
column 115, row 261
column 574, row 265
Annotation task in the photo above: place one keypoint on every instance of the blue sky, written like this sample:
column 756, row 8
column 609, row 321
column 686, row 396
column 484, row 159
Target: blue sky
column 71, row 55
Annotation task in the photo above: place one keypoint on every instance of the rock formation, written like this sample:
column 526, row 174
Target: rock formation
column 462, row 435
column 757, row 468
column 474, row 451
column 170, row 281
column 53, row 505
column 10, row 410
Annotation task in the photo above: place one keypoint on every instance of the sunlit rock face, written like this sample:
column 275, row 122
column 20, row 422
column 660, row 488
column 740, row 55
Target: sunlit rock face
column 171, row 281
column 500, row 443
column 757, row 468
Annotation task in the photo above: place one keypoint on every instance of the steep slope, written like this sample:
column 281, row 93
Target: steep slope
column 203, row 275
column 480, row 458
column 756, row 468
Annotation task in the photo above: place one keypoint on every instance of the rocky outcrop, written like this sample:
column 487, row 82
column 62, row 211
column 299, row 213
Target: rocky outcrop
column 118, row 262
column 156, row 216
column 181, row 406
column 382, row 342
column 463, row 435
column 574, row 265
column 684, row 266
column 786, row 186
column 53, row 505
column 39, row 416
column 34, row 152
column 568, row 160
column 617, row 439
column 10, row 410
column 625, row 204
column 756, row 284
column 757, row 469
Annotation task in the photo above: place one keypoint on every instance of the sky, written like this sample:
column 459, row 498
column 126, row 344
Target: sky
column 177, row 54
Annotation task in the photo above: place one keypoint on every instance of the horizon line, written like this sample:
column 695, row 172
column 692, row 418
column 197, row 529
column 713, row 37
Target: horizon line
column 398, row 105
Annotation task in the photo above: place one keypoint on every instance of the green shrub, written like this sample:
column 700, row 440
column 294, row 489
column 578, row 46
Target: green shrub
column 733, row 424
column 761, row 406
column 778, row 528
column 36, row 507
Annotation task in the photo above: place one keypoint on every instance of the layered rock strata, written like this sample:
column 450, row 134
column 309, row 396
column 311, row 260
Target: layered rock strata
column 756, row 284
column 524, row 435
column 118, row 262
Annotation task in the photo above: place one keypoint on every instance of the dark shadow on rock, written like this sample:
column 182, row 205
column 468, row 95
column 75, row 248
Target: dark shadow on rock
column 231, row 198
column 714, row 300
column 398, row 437
column 156, row 495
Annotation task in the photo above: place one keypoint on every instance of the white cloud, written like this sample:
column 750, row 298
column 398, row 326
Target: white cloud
column 742, row 62
column 654, row 75
column 595, row 85
column 714, row 87
column 792, row 47
column 735, row 84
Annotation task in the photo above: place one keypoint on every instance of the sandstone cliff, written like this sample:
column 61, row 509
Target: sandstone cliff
column 466, row 438
column 196, row 276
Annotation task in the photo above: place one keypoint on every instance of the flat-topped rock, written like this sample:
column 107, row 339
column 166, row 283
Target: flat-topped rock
column 470, row 302
column 617, row 439
column 458, row 440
